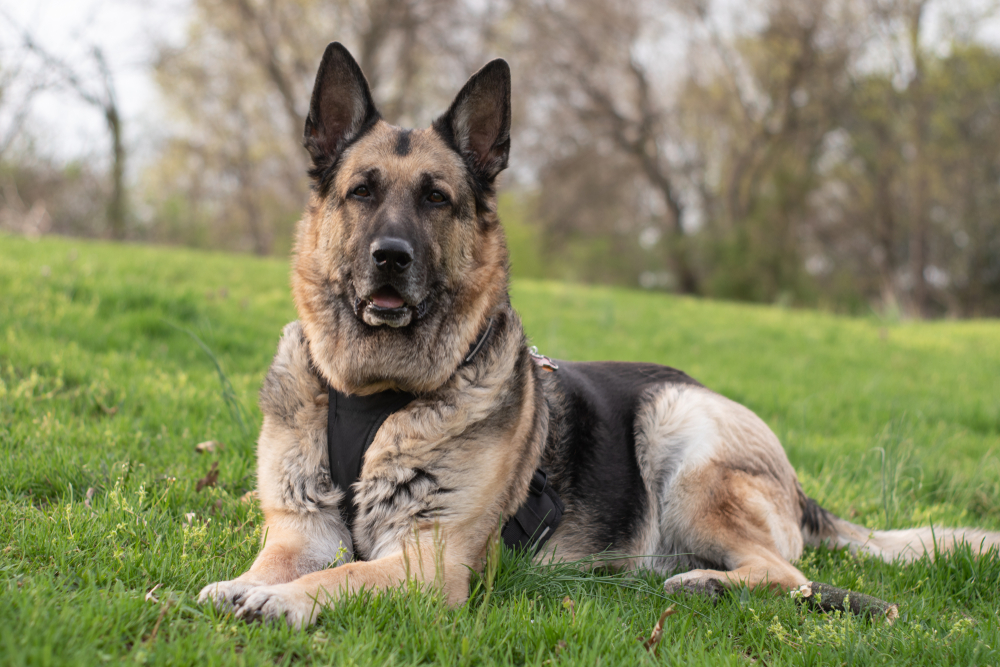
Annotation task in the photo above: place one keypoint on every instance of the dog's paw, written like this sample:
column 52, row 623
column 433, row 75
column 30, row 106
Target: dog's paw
column 226, row 595
column 271, row 603
column 694, row 585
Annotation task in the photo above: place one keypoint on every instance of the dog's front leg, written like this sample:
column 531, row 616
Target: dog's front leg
column 293, row 545
column 303, row 528
column 300, row 601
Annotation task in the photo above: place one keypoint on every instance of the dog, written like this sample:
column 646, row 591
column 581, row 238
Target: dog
column 400, row 279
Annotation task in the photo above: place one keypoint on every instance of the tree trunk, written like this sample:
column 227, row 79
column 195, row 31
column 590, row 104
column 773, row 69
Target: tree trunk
column 886, row 239
column 116, row 205
column 919, row 218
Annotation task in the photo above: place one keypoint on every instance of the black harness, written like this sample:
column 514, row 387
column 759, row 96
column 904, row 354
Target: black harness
column 351, row 427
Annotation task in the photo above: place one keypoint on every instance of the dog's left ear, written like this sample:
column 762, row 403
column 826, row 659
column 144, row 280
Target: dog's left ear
column 478, row 122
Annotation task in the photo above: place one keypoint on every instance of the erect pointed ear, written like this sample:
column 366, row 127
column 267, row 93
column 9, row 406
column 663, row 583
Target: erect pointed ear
column 341, row 108
column 478, row 122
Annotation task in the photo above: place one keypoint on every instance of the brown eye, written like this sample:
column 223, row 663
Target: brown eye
column 361, row 191
column 435, row 197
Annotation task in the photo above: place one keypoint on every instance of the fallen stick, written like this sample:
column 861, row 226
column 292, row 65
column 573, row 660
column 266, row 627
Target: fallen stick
column 829, row 598
column 653, row 643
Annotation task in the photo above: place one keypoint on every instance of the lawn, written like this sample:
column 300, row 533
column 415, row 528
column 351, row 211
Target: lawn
column 109, row 380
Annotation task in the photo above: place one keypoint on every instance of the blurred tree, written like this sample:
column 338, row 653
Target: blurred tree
column 908, row 197
column 861, row 206
column 957, row 233
column 820, row 154
column 40, row 193
column 718, row 158
column 761, row 110
column 966, row 135
column 601, row 127
column 238, row 88
column 15, row 104
column 98, row 90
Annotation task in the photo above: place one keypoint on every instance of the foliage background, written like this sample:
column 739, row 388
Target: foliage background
column 835, row 153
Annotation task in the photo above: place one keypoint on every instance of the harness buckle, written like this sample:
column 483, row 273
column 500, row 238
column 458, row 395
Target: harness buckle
column 541, row 360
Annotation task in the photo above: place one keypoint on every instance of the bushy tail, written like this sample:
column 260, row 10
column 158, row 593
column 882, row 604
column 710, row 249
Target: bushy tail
column 822, row 527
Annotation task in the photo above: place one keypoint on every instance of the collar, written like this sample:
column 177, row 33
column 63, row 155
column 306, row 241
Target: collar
column 478, row 344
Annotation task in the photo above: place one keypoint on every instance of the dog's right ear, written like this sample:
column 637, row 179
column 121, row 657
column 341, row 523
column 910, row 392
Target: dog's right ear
column 341, row 108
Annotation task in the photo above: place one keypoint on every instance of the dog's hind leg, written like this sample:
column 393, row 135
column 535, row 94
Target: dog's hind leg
column 740, row 522
column 726, row 499
column 757, row 567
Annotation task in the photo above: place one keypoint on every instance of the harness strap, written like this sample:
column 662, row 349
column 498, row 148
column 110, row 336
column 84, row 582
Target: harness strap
column 535, row 521
column 353, row 422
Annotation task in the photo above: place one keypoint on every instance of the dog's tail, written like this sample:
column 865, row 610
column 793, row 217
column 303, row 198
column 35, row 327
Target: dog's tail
column 820, row 526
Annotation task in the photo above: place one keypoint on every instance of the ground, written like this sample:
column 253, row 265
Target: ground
column 116, row 361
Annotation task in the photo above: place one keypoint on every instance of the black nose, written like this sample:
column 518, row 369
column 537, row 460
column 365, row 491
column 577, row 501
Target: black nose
column 392, row 254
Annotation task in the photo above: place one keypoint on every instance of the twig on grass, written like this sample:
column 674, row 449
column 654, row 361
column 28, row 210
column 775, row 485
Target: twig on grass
column 152, row 598
column 653, row 643
column 156, row 626
column 209, row 447
column 830, row 598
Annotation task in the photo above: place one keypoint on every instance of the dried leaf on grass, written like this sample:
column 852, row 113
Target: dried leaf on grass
column 653, row 643
column 209, row 447
column 159, row 619
column 91, row 492
column 150, row 597
column 209, row 479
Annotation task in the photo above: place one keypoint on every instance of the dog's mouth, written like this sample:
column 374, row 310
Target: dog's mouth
column 386, row 298
column 386, row 306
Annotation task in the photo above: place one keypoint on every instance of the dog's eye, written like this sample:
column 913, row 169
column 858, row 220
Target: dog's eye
column 436, row 197
column 361, row 191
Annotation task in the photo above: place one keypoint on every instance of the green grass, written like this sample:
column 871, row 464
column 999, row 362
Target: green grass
column 102, row 387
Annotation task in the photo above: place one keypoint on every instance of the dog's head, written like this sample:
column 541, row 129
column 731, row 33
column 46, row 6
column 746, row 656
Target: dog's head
column 399, row 256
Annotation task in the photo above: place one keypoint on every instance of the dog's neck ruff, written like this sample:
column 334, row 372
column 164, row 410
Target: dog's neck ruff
column 353, row 422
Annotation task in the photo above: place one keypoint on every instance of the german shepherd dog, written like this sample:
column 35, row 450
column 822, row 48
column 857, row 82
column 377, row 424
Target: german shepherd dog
column 400, row 269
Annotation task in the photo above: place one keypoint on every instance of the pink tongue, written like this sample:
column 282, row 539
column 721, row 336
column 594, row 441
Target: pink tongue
column 383, row 300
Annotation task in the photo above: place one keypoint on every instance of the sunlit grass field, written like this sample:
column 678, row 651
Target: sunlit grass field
column 105, row 391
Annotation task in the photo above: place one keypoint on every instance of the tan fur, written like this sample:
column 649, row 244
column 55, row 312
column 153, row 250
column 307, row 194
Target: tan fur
column 907, row 544
column 423, row 564
column 475, row 272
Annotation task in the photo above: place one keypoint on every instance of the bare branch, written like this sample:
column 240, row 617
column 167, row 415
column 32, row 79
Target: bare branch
column 104, row 99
